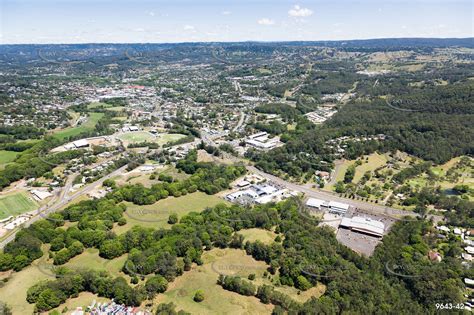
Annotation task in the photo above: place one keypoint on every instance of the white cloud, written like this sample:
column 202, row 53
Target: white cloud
column 265, row 21
column 188, row 28
column 226, row 13
column 151, row 13
column 298, row 11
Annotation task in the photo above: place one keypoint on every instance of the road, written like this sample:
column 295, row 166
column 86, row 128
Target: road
column 241, row 121
column 63, row 200
column 368, row 207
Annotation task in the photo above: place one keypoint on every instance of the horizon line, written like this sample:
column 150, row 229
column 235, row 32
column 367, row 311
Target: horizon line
column 245, row 41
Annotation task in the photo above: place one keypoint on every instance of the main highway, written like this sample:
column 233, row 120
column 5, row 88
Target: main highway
column 328, row 196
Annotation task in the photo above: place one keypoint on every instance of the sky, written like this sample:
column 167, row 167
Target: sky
column 158, row 21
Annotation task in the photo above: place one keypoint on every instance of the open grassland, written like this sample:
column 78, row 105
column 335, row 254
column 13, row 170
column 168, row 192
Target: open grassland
column 157, row 214
column 90, row 259
column 15, row 204
column 174, row 172
column 252, row 235
column 88, row 125
column 137, row 177
column 217, row 300
column 164, row 138
column 374, row 161
column 116, row 108
column 233, row 262
column 465, row 176
column 141, row 136
column 13, row 292
column 7, row 157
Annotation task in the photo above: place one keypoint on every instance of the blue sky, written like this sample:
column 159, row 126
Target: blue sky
column 87, row 21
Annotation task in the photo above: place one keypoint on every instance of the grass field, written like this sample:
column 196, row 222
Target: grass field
column 116, row 108
column 141, row 136
column 90, row 259
column 217, row 300
column 88, row 125
column 14, row 291
column 375, row 160
column 173, row 172
column 164, row 138
column 7, row 157
column 137, row 136
column 252, row 235
column 156, row 215
column 15, row 204
column 144, row 178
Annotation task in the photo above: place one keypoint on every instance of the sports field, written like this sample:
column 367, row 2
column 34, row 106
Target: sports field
column 137, row 137
column 15, row 204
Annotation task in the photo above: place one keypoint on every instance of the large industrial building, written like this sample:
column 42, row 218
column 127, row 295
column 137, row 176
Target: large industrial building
column 364, row 225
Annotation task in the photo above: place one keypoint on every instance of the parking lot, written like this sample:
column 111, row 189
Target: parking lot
column 358, row 242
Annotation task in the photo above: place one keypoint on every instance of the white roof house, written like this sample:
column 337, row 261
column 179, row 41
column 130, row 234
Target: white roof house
column 364, row 225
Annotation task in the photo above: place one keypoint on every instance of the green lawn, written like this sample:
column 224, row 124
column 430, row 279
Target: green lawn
column 7, row 157
column 141, row 136
column 252, row 235
column 90, row 259
column 15, row 204
column 88, row 125
column 116, row 108
column 156, row 215
column 164, row 138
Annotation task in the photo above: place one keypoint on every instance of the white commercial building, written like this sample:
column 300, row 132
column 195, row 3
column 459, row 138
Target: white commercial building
column 262, row 141
column 364, row 225
column 83, row 143
column 338, row 207
column 40, row 194
column 316, row 203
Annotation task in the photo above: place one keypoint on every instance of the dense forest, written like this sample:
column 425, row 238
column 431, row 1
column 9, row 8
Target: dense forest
column 434, row 123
